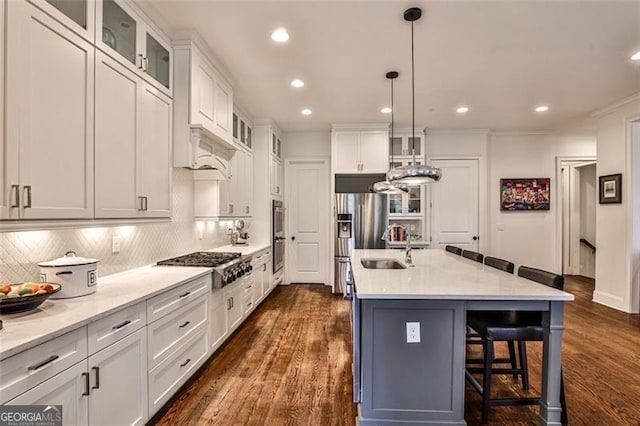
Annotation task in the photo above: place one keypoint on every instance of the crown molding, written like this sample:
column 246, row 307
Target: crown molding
column 606, row 110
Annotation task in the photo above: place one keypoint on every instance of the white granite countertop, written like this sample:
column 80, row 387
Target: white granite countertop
column 55, row 317
column 445, row 276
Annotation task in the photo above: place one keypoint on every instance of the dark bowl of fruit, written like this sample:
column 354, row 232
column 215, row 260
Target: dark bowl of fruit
column 24, row 297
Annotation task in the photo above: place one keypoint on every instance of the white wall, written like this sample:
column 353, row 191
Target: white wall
column 588, row 200
column 614, row 221
column 306, row 144
column 529, row 238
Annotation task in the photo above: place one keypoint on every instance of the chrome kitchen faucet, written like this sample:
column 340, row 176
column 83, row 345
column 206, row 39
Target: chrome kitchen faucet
column 407, row 249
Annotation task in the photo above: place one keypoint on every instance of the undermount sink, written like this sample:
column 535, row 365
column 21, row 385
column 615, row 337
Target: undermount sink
column 382, row 264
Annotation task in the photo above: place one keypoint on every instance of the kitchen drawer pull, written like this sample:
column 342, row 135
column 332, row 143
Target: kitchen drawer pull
column 97, row 370
column 185, row 294
column 185, row 324
column 119, row 326
column 64, row 273
column 140, row 56
column 186, row 362
column 86, row 381
column 15, row 190
column 43, row 363
column 27, row 189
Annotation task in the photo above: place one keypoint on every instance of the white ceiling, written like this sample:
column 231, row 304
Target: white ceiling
column 501, row 58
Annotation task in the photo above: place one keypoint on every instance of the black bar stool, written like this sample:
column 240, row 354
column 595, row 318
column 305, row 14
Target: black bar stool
column 454, row 250
column 473, row 255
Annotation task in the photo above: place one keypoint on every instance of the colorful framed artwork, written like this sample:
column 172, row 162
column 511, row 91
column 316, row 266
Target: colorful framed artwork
column 525, row 194
column 611, row 189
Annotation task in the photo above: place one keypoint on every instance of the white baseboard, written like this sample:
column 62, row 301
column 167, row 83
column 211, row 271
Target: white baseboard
column 610, row 300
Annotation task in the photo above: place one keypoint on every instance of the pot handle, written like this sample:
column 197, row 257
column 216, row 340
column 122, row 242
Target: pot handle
column 70, row 253
column 64, row 273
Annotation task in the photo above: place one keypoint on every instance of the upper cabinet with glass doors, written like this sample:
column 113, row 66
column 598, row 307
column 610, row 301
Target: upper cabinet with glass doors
column 404, row 142
column 123, row 34
column 76, row 15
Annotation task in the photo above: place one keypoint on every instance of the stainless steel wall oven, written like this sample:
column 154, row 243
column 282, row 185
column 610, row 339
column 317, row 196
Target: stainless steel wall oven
column 278, row 235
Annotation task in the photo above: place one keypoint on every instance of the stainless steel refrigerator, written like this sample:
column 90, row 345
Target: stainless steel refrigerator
column 360, row 222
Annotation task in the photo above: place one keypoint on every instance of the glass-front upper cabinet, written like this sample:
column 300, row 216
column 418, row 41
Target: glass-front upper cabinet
column 124, row 35
column 404, row 142
column 407, row 204
column 276, row 145
column 77, row 15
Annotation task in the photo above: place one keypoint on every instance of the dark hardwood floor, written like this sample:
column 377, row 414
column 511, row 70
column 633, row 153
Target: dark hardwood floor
column 290, row 364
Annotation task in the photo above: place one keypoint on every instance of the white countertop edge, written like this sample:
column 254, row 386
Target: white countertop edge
column 245, row 250
column 10, row 344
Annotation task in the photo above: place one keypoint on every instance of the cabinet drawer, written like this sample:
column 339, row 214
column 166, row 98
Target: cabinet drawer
column 247, row 304
column 170, row 374
column 27, row 369
column 171, row 300
column 172, row 330
column 110, row 329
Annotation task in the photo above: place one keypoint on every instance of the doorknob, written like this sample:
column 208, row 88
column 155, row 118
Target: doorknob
column 293, row 238
column 475, row 237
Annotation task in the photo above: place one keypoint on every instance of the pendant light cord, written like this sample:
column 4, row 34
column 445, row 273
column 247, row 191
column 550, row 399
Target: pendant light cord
column 413, row 103
column 392, row 113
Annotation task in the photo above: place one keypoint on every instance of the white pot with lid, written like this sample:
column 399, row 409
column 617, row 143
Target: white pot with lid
column 77, row 275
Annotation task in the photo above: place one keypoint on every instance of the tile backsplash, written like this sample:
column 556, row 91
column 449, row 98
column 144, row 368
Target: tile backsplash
column 140, row 244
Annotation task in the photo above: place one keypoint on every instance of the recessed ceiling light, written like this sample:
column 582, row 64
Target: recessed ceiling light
column 385, row 110
column 462, row 109
column 297, row 83
column 280, row 35
column 542, row 108
column 305, row 111
column 635, row 56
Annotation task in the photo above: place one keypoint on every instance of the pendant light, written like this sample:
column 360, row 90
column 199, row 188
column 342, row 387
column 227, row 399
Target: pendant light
column 413, row 174
column 386, row 187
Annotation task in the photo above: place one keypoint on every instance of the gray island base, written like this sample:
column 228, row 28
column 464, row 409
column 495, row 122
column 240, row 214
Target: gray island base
column 397, row 382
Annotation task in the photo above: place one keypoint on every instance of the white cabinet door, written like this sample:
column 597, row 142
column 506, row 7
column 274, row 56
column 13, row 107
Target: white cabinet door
column 374, row 152
column 234, row 306
column 68, row 388
column 154, row 160
column 202, row 84
column 116, row 138
column 218, row 318
column 223, row 101
column 248, row 185
column 118, row 377
column 347, row 158
column 49, row 106
column 77, row 15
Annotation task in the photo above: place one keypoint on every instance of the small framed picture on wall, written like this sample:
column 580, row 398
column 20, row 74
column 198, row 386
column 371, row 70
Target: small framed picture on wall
column 611, row 189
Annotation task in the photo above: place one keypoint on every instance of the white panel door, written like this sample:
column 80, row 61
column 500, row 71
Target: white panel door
column 347, row 157
column 116, row 139
column 68, row 388
column 154, row 165
column 119, row 382
column 308, row 214
column 374, row 152
column 50, row 75
column 454, row 204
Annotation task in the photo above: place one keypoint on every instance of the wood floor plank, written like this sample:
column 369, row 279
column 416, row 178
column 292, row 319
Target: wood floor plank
column 290, row 364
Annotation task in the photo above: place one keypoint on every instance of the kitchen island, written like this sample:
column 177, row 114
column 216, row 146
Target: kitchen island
column 423, row 382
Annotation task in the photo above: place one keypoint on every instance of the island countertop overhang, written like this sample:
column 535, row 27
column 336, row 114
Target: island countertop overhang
column 439, row 275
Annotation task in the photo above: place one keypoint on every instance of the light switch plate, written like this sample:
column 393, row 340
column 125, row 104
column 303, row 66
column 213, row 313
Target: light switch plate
column 413, row 332
column 115, row 244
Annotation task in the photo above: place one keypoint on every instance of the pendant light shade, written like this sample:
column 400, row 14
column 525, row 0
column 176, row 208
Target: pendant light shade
column 386, row 187
column 413, row 174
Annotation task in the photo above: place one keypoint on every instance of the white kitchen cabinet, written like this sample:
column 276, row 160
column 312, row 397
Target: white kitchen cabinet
column 235, row 297
column 203, row 101
column 242, row 130
column 118, row 378
column 276, row 177
column 403, row 143
column 126, row 35
column 218, row 330
column 360, row 151
column 132, row 144
column 68, row 388
column 242, row 184
column 77, row 15
column 48, row 151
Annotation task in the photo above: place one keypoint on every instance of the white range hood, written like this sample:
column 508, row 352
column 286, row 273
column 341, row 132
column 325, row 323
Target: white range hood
column 208, row 153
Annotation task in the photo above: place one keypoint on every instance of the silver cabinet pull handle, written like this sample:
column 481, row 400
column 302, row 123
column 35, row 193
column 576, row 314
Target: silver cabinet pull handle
column 140, row 57
column 146, row 203
column 146, row 64
column 15, row 192
column 140, row 203
column 97, row 370
column 42, row 363
column 27, row 190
